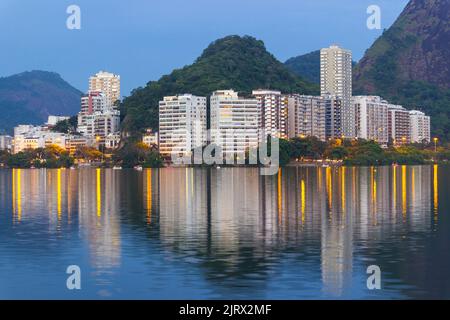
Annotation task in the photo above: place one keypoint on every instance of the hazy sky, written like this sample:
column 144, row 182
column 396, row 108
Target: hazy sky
column 144, row 39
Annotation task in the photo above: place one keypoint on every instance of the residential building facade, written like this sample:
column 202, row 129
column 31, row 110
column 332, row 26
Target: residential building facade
column 336, row 80
column 273, row 109
column 372, row 117
column 333, row 118
column 306, row 116
column 399, row 125
column 97, row 118
column 182, row 124
column 108, row 83
column 150, row 138
column 235, row 122
column 419, row 127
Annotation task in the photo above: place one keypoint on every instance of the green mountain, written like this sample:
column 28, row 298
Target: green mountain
column 409, row 63
column 306, row 66
column 29, row 97
column 240, row 63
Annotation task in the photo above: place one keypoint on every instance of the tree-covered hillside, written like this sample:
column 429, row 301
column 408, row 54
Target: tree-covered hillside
column 234, row 62
column 409, row 63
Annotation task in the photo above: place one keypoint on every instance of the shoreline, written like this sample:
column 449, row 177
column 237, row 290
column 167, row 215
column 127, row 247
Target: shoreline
column 292, row 165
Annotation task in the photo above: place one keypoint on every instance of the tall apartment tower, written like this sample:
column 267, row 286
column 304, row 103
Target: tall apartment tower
column 235, row 122
column 372, row 115
column 273, row 107
column 182, row 124
column 108, row 83
column 336, row 80
column 419, row 127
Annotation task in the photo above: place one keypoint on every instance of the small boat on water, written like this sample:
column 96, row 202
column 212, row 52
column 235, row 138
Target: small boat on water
column 117, row 168
column 72, row 168
column 138, row 168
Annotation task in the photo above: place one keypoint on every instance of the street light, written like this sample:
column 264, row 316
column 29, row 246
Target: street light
column 435, row 144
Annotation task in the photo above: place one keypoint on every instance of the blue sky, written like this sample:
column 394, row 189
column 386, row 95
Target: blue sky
column 144, row 39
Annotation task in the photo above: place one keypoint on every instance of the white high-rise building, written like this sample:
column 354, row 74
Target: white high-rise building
column 235, row 122
column 108, row 83
column 182, row 124
column 419, row 127
column 273, row 107
column 372, row 117
column 336, row 80
column 307, row 116
column 399, row 125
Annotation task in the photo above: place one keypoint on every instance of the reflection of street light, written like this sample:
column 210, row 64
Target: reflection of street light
column 435, row 144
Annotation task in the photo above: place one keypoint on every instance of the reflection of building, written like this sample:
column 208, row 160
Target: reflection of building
column 336, row 80
column 337, row 233
column 183, row 206
column 419, row 194
column 99, row 195
column 419, row 126
column 371, row 118
column 234, row 122
column 292, row 234
column 182, row 124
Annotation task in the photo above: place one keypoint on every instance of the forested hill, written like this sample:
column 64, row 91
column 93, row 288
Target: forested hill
column 234, row 62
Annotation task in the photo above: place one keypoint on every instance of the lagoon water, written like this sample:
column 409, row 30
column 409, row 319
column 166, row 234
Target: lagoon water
column 229, row 233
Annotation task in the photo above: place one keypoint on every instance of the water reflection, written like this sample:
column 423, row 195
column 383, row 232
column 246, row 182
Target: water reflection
column 303, row 233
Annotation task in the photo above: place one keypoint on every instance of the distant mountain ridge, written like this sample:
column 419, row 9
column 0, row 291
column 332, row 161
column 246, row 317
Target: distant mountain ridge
column 233, row 62
column 30, row 97
column 416, row 48
column 409, row 64
column 306, row 66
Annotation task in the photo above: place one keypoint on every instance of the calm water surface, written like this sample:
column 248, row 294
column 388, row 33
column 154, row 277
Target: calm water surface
column 225, row 233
